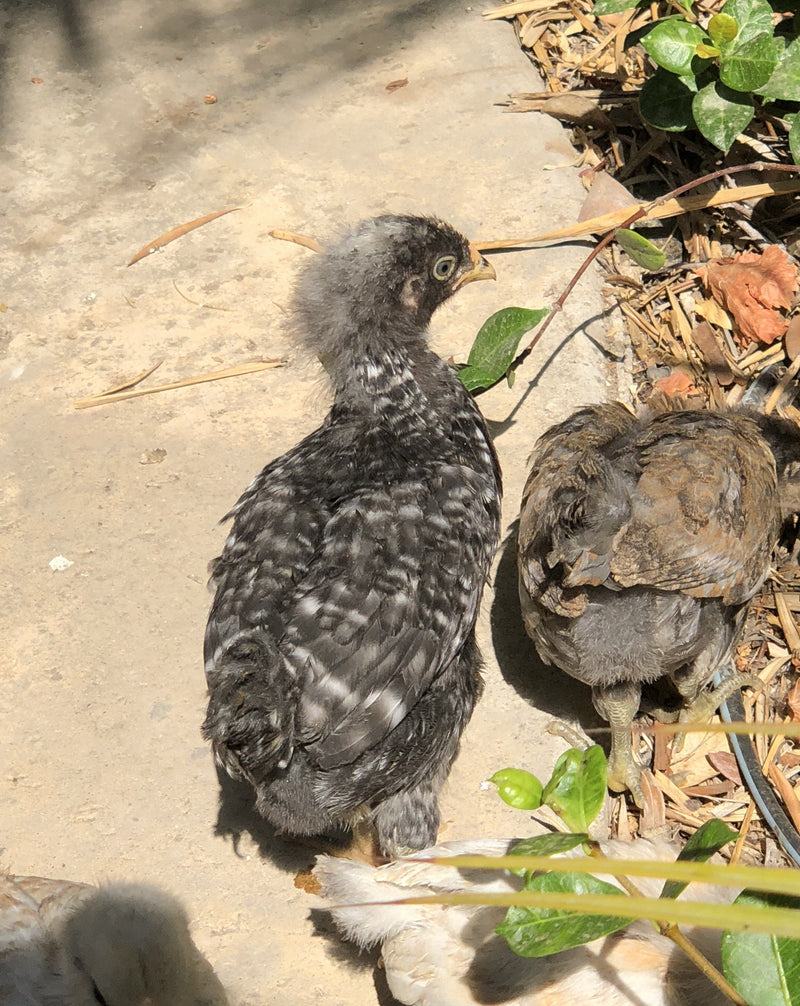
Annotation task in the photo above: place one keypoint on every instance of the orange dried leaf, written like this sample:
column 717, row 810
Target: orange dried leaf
column 752, row 286
column 678, row 383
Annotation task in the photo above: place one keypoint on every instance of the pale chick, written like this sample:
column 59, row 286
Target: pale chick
column 68, row 944
column 436, row 955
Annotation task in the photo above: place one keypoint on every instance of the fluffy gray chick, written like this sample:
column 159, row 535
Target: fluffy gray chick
column 340, row 649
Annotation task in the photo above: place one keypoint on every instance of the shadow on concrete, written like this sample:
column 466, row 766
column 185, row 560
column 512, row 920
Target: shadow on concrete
column 547, row 688
column 237, row 816
column 349, row 954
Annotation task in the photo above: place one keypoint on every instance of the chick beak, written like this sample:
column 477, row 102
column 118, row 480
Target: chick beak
column 481, row 269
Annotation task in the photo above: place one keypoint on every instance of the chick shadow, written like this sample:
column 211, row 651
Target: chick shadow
column 546, row 688
column 237, row 817
column 351, row 956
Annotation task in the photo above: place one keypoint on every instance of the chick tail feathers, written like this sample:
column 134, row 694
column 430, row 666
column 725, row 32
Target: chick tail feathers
column 353, row 889
column 250, row 717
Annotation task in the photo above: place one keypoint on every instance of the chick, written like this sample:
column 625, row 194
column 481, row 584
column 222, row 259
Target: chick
column 66, row 944
column 641, row 540
column 435, row 955
column 340, row 649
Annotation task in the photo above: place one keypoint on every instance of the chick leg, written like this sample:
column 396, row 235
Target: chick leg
column 619, row 704
column 700, row 705
column 409, row 820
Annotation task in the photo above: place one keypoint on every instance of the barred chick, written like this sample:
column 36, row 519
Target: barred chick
column 340, row 649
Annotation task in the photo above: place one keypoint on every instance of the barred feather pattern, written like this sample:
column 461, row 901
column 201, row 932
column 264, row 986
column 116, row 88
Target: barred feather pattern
column 340, row 650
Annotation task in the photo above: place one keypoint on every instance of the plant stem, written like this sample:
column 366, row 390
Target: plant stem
column 758, row 166
column 673, row 932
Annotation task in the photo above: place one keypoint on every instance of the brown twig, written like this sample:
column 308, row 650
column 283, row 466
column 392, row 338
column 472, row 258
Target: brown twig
column 217, row 375
column 641, row 211
column 178, row 232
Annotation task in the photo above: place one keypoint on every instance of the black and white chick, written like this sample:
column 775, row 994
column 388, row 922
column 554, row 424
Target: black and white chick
column 340, row 649
column 642, row 539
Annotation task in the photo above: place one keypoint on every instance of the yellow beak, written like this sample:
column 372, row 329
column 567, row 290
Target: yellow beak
column 481, row 269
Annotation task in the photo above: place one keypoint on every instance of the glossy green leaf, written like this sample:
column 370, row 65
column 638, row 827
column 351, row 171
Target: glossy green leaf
column 707, row 51
column 784, row 84
column 723, row 28
column 537, row 932
column 721, row 114
column 748, row 64
column 545, row 845
column 665, row 101
column 474, row 378
column 765, row 970
column 577, row 788
column 754, row 17
column 614, row 6
column 496, row 344
column 794, row 139
column 518, row 788
column 672, row 43
column 708, row 839
column 643, row 252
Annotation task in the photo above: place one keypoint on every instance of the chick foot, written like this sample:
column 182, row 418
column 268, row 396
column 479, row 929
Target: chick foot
column 703, row 707
column 619, row 704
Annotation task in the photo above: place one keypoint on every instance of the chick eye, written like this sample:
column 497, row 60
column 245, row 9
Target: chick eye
column 444, row 267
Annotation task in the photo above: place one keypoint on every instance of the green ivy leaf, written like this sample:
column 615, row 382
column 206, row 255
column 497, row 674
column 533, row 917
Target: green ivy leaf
column 577, row 788
column 708, row 839
column 754, row 17
column 665, row 101
column 723, row 28
column 495, row 345
column 707, row 51
column 545, row 845
column 763, row 969
column 643, row 252
column 672, row 43
column 721, row 114
column 749, row 64
column 474, row 378
column 537, row 932
column 794, row 139
column 614, row 6
column 784, row 84
column 518, row 788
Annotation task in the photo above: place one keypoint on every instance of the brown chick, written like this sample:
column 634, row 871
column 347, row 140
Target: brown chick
column 67, row 944
column 641, row 540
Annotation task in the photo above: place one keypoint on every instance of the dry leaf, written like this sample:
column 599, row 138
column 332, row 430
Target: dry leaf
column 709, row 348
column 713, row 313
column 576, row 110
column 725, row 763
column 605, row 195
column 752, row 286
column 395, row 85
column 793, row 700
column 678, row 383
column 791, row 341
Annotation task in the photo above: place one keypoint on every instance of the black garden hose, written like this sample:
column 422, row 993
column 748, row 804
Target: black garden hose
column 768, row 804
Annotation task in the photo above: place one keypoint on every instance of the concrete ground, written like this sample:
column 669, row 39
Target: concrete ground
column 106, row 142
